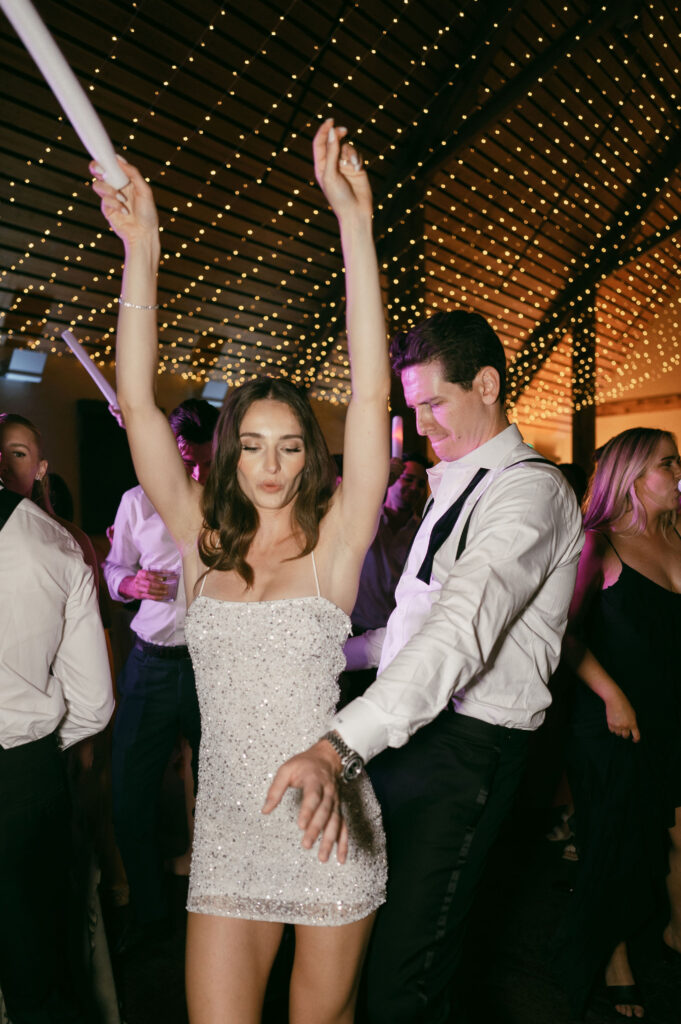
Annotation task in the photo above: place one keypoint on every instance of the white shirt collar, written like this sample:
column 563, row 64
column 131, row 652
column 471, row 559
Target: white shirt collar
column 488, row 455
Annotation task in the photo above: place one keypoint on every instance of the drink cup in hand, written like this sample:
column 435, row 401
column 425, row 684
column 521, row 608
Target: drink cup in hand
column 170, row 579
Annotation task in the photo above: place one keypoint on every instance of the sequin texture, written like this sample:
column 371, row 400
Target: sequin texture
column 266, row 678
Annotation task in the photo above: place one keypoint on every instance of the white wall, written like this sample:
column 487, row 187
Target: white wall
column 51, row 405
column 552, row 444
column 662, row 419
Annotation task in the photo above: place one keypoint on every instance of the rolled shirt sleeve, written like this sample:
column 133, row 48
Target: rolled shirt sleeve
column 81, row 663
column 364, row 651
column 123, row 559
column 54, row 666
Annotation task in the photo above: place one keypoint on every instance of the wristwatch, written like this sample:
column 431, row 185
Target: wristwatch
column 351, row 762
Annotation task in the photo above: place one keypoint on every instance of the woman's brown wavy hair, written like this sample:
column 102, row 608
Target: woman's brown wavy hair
column 230, row 520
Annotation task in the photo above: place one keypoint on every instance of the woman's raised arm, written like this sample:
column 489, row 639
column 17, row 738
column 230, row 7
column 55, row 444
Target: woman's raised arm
column 366, row 453
column 132, row 215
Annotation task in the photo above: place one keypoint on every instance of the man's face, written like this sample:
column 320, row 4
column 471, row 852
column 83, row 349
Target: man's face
column 455, row 421
column 409, row 489
column 196, row 458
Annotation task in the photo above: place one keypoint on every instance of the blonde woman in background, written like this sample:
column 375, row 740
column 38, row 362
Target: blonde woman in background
column 623, row 643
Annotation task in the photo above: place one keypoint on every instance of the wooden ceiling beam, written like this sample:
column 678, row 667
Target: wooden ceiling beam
column 579, row 291
column 505, row 99
column 435, row 135
column 451, row 100
column 626, row 406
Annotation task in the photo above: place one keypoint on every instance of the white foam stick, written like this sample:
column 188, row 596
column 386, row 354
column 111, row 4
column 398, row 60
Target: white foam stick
column 96, row 374
column 396, row 437
column 65, row 86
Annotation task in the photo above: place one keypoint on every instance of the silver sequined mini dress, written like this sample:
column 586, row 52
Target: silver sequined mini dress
column 266, row 677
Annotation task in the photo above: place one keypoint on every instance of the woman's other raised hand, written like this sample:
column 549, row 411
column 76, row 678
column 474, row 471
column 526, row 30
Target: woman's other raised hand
column 340, row 172
column 131, row 211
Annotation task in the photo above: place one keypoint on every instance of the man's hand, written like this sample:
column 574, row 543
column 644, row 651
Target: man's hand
column 145, row 585
column 316, row 774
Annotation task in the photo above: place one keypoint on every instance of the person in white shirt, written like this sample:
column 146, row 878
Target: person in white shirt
column 397, row 527
column 156, row 692
column 55, row 690
column 382, row 568
column 469, row 650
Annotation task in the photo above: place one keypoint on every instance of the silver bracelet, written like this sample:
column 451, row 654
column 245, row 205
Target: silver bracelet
column 133, row 305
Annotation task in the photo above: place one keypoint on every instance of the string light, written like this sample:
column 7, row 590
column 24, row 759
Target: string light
column 508, row 223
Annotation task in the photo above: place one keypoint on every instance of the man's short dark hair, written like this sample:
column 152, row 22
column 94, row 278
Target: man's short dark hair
column 462, row 342
column 418, row 458
column 194, row 421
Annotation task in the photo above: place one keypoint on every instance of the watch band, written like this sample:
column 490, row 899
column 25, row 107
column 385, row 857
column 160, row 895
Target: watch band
column 352, row 764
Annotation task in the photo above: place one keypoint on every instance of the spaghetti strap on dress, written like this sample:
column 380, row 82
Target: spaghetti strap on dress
column 316, row 577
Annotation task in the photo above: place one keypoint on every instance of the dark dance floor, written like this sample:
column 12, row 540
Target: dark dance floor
column 505, row 977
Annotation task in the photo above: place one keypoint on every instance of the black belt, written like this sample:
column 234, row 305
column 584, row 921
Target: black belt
column 177, row 652
column 476, row 727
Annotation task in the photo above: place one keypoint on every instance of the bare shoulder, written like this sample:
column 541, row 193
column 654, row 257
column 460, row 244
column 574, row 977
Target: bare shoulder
column 599, row 562
column 595, row 544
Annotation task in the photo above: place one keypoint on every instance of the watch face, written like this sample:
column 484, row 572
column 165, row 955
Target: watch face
column 353, row 768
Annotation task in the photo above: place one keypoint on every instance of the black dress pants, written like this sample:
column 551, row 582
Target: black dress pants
column 444, row 797
column 157, row 702
column 34, row 875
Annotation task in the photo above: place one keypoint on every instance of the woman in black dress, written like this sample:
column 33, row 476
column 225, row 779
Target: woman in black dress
column 623, row 642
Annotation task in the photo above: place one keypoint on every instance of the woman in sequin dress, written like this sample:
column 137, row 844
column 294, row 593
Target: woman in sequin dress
column 272, row 558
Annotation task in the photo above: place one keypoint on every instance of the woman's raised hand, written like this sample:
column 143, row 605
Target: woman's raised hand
column 340, row 172
column 130, row 211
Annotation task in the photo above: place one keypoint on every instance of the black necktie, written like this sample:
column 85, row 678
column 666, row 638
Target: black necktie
column 444, row 527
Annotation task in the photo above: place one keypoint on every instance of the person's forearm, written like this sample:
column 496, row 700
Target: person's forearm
column 81, row 665
column 364, row 651
column 126, row 587
column 137, row 336
column 365, row 318
column 516, row 546
column 585, row 665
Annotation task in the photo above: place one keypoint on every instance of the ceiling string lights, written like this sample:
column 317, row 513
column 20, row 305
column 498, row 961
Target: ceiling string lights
column 511, row 221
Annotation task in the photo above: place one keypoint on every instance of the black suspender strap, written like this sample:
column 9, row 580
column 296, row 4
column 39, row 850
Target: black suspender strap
column 444, row 526
column 464, row 533
column 8, row 502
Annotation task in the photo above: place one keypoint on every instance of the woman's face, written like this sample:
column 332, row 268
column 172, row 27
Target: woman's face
column 20, row 462
column 272, row 454
column 658, row 488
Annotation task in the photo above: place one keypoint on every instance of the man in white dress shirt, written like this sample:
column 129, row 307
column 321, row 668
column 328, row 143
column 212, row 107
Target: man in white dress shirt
column 55, row 689
column 156, row 692
column 468, row 653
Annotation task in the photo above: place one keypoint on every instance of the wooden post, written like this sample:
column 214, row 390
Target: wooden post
column 584, row 389
column 403, row 267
